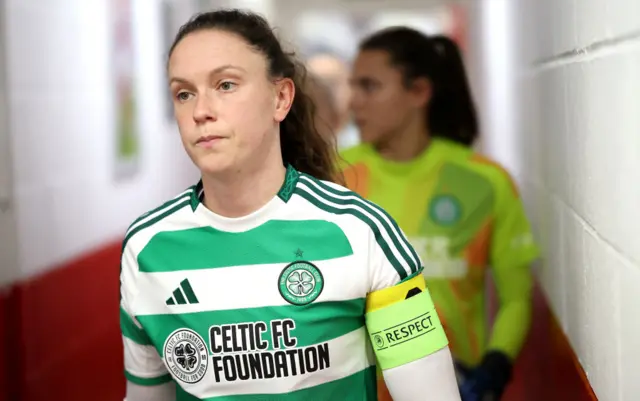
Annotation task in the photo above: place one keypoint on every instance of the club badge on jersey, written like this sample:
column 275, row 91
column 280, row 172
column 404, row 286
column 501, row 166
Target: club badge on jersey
column 300, row 283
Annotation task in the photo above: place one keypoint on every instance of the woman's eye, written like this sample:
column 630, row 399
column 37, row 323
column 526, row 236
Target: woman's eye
column 183, row 96
column 227, row 86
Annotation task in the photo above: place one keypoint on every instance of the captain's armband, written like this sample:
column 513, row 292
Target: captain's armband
column 403, row 324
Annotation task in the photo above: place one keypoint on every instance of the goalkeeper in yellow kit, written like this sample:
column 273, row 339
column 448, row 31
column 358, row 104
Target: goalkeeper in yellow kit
column 462, row 212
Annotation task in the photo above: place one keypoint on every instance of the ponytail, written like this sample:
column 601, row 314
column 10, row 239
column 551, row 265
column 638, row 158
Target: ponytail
column 302, row 144
column 452, row 112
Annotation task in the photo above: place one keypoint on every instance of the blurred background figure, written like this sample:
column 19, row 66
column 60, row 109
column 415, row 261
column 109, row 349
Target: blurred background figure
column 334, row 74
column 461, row 211
column 327, row 115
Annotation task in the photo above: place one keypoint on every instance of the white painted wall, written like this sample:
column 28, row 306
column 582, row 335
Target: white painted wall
column 61, row 107
column 8, row 255
column 571, row 133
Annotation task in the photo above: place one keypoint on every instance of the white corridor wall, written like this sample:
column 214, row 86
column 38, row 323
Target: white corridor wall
column 570, row 131
column 8, row 254
column 61, row 120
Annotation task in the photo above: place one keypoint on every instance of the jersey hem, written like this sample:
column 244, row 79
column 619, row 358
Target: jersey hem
column 149, row 381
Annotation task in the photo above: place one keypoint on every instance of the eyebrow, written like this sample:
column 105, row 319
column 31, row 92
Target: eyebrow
column 215, row 71
column 363, row 80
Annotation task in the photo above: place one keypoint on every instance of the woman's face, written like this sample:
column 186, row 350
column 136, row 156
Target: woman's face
column 226, row 105
column 381, row 103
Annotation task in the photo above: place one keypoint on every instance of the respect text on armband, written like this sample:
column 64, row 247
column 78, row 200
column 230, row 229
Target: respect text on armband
column 404, row 332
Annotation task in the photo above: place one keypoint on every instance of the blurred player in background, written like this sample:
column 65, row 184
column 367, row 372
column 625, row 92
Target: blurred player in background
column 413, row 106
column 334, row 72
column 327, row 116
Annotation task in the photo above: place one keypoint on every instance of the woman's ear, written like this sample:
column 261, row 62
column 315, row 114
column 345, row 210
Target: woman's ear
column 285, row 93
column 422, row 91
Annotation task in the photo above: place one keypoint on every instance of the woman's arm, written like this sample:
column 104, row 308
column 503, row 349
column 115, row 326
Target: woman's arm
column 430, row 378
column 161, row 392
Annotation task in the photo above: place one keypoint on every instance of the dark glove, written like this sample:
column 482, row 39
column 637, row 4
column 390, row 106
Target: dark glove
column 488, row 381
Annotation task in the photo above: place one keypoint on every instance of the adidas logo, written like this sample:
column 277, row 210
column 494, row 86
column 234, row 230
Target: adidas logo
column 183, row 295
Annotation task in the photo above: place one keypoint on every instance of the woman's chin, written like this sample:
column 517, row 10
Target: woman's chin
column 214, row 164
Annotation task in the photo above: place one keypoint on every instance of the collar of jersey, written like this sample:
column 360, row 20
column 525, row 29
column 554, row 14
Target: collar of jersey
column 252, row 220
column 437, row 150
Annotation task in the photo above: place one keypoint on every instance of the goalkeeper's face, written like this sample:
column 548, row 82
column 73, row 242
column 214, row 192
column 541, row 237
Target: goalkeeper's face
column 384, row 104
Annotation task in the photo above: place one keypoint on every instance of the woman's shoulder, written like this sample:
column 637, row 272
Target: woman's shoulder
column 493, row 170
column 353, row 154
column 162, row 212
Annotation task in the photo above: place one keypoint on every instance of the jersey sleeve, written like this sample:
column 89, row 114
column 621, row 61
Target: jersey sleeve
column 401, row 319
column 512, row 241
column 161, row 392
column 142, row 363
column 392, row 259
column 512, row 251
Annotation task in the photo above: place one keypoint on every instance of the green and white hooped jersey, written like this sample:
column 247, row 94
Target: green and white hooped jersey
column 265, row 307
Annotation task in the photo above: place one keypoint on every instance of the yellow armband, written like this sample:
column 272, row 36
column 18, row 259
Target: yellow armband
column 403, row 324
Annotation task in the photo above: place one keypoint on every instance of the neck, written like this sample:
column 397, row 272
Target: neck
column 245, row 190
column 405, row 145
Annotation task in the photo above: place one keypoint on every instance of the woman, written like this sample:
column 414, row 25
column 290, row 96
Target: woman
column 262, row 281
column 333, row 70
column 327, row 118
column 460, row 210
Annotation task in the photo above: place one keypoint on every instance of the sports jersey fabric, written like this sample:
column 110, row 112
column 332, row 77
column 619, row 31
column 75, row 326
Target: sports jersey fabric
column 462, row 213
column 270, row 306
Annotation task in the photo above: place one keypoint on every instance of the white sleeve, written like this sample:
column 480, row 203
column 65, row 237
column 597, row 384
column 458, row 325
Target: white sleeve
column 408, row 338
column 142, row 363
column 430, row 378
column 162, row 392
column 392, row 259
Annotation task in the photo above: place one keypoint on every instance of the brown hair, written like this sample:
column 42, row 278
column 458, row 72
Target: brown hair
column 303, row 147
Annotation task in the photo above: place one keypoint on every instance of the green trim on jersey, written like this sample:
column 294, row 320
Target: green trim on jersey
column 290, row 181
column 286, row 190
column 411, row 276
column 370, row 207
column 329, row 196
column 191, row 249
column 187, row 193
column 172, row 207
column 196, row 195
column 385, row 248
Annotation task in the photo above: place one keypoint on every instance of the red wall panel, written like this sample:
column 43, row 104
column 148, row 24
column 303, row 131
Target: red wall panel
column 548, row 368
column 66, row 340
column 4, row 329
